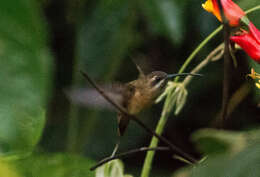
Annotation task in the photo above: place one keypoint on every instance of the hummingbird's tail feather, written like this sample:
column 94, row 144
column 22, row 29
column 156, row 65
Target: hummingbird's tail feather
column 123, row 122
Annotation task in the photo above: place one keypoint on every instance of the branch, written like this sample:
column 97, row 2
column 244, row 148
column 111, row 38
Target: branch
column 108, row 159
column 226, row 79
column 135, row 119
column 227, row 64
column 214, row 55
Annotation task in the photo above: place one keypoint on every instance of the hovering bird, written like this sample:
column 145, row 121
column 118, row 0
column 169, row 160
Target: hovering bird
column 133, row 96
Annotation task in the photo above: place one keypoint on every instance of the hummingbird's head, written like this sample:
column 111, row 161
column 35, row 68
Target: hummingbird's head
column 157, row 81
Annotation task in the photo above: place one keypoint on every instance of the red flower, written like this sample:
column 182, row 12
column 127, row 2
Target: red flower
column 249, row 41
column 231, row 10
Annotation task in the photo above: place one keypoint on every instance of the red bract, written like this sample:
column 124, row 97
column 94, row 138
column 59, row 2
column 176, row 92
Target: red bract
column 232, row 11
column 249, row 42
column 254, row 31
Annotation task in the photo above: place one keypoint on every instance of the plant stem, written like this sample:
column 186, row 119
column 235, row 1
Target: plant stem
column 149, row 155
column 216, row 54
column 253, row 9
column 226, row 79
column 200, row 46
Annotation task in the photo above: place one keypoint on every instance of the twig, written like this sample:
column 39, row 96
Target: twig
column 214, row 55
column 135, row 119
column 108, row 159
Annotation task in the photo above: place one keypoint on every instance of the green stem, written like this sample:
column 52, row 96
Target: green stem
column 253, row 9
column 164, row 116
column 196, row 51
column 154, row 143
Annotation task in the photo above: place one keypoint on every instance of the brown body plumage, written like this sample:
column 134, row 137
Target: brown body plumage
column 140, row 94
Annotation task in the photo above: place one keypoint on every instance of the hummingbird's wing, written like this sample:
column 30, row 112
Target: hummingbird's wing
column 146, row 64
column 89, row 97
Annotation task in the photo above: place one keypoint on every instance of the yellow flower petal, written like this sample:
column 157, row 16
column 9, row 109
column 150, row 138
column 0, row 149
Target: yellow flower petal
column 209, row 6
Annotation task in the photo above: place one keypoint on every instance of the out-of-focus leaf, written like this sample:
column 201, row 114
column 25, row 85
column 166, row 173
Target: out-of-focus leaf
column 164, row 18
column 243, row 164
column 111, row 169
column 106, row 36
column 7, row 170
column 244, row 161
column 24, row 74
column 211, row 141
column 55, row 165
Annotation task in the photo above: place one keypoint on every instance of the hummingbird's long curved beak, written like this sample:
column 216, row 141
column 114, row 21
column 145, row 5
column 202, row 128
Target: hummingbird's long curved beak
column 182, row 74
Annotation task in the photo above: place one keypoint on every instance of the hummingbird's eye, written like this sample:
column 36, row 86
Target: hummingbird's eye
column 156, row 80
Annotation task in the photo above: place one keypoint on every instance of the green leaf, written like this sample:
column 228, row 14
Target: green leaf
column 24, row 75
column 237, row 154
column 243, row 164
column 55, row 165
column 211, row 141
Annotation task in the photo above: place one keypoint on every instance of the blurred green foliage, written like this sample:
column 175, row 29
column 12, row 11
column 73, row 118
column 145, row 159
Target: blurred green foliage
column 238, row 154
column 24, row 75
column 108, row 34
column 54, row 165
column 7, row 169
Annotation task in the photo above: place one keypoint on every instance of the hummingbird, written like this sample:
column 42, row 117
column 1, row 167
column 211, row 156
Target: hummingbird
column 133, row 96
